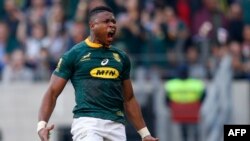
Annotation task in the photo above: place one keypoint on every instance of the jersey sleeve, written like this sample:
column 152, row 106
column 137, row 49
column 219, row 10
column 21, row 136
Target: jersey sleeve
column 65, row 67
column 126, row 68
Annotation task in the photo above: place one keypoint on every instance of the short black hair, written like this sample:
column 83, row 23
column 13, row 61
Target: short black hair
column 99, row 9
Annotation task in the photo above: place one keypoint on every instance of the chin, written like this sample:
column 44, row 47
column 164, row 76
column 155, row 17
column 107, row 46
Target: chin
column 109, row 41
column 108, row 44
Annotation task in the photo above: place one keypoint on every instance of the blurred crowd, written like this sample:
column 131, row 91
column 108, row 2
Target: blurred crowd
column 159, row 35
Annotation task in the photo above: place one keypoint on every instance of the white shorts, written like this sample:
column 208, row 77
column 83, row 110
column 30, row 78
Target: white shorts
column 95, row 129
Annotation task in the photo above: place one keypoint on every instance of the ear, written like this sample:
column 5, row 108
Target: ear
column 91, row 24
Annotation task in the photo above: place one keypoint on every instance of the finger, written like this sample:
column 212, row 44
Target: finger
column 45, row 138
column 43, row 134
column 50, row 127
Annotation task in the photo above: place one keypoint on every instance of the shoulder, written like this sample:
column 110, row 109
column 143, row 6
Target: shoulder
column 194, row 80
column 172, row 83
column 75, row 52
column 121, row 53
column 197, row 83
column 80, row 47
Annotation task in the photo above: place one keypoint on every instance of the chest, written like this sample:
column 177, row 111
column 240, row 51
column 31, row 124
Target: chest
column 100, row 64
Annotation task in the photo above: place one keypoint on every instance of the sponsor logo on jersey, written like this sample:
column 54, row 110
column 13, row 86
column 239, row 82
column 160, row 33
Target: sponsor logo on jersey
column 104, row 62
column 105, row 72
column 117, row 57
column 86, row 57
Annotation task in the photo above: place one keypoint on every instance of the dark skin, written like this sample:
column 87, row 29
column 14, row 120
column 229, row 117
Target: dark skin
column 103, row 27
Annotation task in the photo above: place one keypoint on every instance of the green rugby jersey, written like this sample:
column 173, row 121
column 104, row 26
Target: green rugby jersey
column 96, row 74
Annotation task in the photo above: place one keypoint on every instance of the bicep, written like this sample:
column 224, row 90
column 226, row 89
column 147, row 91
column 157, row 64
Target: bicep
column 56, row 85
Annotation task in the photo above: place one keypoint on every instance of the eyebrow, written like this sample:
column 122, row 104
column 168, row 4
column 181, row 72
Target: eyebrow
column 101, row 18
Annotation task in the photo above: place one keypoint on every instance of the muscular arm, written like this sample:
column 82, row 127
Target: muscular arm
column 49, row 100
column 48, row 104
column 133, row 110
column 131, row 106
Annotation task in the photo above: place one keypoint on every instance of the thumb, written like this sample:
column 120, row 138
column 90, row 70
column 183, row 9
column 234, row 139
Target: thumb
column 51, row 127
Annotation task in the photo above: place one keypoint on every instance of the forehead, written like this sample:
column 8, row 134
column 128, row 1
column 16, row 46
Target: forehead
column 104, row 15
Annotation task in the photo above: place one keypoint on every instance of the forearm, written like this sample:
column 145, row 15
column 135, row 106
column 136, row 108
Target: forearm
column 49, row 100
column 134, row 113
column 47, row 106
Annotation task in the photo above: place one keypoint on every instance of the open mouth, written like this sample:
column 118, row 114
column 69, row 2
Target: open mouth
column 111, row 34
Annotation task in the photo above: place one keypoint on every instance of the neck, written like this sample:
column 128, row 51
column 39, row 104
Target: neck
column 93, row 39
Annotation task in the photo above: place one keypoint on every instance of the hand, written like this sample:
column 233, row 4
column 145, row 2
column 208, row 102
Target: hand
column 44, row 133
column 150, row 138
column 205, row 28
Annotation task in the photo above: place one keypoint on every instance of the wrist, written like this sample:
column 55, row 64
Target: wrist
column 41, row 125
column 144, row 132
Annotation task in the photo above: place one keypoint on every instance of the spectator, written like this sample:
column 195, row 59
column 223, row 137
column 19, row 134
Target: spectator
column 175, row 30
column 246, row 50
column 219, row 51
column 156, row 42
column 184, row 11
column 246, row 43
column 235, row 23
column 34, row 43
column 57, row 35
column 172, row 65
column 12, row 17
column 15, row 70
column 131, row 31
column 81, row 11
column 237, row 60
column 117, row 5
column 70, row 7
column 194, row 63
column 213, row 61
column 77, row 33
column 44, row 67
column 4, row 45
column 211, row 15
column 246, row 11
column 37, row 12
column 2, row 14
column 195, row 6
column 184, row 96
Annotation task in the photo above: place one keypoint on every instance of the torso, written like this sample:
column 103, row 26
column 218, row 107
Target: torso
column 97, row 75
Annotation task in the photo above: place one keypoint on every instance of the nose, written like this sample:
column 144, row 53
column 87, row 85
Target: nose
column 111, row 24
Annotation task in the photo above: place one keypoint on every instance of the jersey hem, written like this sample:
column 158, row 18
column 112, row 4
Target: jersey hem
column 101, row 117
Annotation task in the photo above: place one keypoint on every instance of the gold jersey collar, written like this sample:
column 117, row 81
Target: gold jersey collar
column 93, row 45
